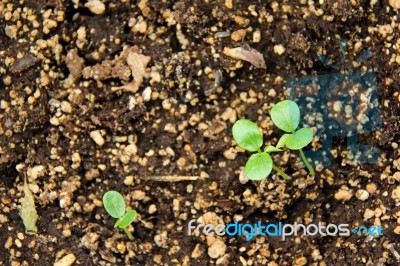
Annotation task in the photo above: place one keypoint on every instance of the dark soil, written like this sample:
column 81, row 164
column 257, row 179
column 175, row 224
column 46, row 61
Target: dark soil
column 49, row 111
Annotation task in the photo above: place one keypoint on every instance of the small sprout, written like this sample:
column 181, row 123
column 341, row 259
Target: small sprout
column 114, row 204
column 248, row 136
column 286, row 116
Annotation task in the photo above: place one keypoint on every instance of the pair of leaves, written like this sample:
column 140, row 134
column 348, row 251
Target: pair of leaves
column 286, row 116
column 248, row 136
column 114, row 204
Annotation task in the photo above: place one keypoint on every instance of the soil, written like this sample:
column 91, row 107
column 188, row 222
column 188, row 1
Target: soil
column 76, row 136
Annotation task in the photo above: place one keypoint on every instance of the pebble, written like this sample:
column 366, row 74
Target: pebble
column 147, row 94
column 217, row 247
column 362, row 194
column 230, row 154
column 300, row 261
column 397, row 230
column 226, row 259
column 18, row 243
column 20, row 236
column 161, row 239
column 396, row 193
column 396, row 176
column 257, row 36
column 152, row 209
column 89, row 240
column 229, row 4
column 344, row 194
column 238, row 35
column 66, row 107
column 128, row 180
column 368, row 214
column 96, row 7
column 97, row 137
column 243, row 179
column 279, row 49
column 229, row 114
column 197, row 252
column 91, row 174
column 11, row 31
column 66, row 232
column 395, row 4
column 371, row 188
column 138, row 195
column 210, row 218
column 36, row 171
column 67, row 260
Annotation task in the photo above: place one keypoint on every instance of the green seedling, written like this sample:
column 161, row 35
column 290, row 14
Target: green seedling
column 248, row 136
column 114, row 204
column 286, row 116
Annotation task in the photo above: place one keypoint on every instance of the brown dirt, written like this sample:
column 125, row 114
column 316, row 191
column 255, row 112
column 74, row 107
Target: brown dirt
column 46, row 118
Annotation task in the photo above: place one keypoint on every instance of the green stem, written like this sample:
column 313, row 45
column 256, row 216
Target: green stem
column 130, row 236
column 303, row 157
column 280, row 171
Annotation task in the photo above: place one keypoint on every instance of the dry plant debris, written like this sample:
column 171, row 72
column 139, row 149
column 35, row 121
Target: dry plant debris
column 130, row 63
column 247, row 54
column 28, row 211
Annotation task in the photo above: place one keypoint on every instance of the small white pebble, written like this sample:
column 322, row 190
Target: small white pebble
column 66, row 107
column 243, row 179
column 67, row 260
column 368, row 214
column 147, row 94
column 128, row 180
column 344, row 194
column 279, row 49
column 97, row 137
column 152, row 208
column 96, row 6
column 362, row 194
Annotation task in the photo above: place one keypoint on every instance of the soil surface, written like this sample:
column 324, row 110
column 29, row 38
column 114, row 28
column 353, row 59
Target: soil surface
column 139, row 97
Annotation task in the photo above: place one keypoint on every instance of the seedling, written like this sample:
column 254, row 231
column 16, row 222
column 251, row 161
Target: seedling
column 286, row 116
column 114, row 204
column 248, row 136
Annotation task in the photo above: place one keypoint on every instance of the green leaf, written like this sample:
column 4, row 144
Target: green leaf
column 282, row 141
column 126, row 219
column 114, row 203
column 28, row 211
column 299, row 139
column 258, row 166
column 286, row 115
column 247, row 135
column 270, row 148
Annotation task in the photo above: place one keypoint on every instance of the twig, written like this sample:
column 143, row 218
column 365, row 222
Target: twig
column 170, row 178
column 394, row 252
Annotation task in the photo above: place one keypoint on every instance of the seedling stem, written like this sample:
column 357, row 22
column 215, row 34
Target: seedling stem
column 129, row 234
column 280, row 171
column 309, row 167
